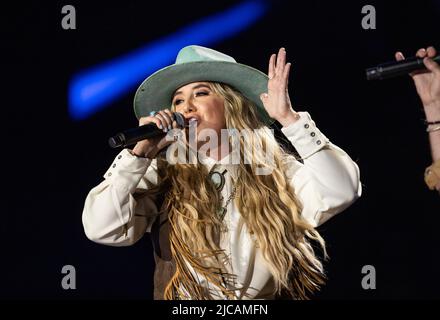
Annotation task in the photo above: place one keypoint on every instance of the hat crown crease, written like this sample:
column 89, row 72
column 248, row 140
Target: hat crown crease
column 198, row 53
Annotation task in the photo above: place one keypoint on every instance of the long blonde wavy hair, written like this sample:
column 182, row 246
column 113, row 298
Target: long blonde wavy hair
column 267, row 204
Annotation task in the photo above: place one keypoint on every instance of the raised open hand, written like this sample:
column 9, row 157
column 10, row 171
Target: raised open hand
column 277, row 101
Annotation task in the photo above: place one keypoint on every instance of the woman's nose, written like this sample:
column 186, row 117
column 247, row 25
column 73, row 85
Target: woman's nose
column 189, row 107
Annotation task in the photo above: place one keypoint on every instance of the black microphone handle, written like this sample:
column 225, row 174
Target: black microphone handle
column 397, row 68
column 150, row 130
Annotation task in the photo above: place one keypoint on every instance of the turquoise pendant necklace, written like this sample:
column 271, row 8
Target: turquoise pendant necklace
column 218, row 179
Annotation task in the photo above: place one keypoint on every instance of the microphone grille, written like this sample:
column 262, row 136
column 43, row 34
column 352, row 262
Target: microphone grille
column 180, row 119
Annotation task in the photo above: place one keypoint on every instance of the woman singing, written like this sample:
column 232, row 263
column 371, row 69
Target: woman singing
column 231, row 224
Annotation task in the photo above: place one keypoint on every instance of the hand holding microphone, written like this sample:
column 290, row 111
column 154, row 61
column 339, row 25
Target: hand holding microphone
column 427, row 79
column 404, row 66
column 424, row 69
column 150, row 136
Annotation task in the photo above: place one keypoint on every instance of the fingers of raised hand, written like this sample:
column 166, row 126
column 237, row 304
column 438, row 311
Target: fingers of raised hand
column 281, row 61
column 277, row 64
column 278, row 72
column 271, row 72
column 286, row 73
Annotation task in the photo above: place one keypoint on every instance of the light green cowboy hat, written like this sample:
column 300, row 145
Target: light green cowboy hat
column 196, row 63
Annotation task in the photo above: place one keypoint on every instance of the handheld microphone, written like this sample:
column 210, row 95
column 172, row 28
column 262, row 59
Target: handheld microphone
column 397, row 68
column 150, row 130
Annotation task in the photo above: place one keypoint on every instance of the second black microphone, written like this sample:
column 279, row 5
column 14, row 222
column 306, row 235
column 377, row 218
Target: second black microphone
column 397, row 68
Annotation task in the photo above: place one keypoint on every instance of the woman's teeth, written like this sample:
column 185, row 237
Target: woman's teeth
column 192, row 122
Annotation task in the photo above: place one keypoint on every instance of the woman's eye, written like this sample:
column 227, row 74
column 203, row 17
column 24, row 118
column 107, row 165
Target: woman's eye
column 203, row 93
column 177, row 102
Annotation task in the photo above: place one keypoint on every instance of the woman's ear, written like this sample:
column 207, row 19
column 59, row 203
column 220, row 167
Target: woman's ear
column 263, row 98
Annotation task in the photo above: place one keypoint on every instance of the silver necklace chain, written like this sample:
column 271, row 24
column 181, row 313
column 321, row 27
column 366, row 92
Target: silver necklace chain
column 223, row 209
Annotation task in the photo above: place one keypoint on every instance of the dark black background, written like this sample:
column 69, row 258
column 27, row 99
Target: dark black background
column 50, row 161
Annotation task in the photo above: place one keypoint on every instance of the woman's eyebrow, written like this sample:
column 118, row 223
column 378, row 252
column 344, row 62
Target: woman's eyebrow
column 193, row 88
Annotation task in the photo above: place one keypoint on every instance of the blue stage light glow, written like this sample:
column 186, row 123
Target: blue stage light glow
column 93, row 89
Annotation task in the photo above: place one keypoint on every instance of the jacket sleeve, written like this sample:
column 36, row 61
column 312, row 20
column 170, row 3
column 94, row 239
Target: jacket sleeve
column 113, row 213
column 328, row 182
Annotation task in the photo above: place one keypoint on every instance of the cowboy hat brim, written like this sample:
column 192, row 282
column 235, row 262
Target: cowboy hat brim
column 155, row 92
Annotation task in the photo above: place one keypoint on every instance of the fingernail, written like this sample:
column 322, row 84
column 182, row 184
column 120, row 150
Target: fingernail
column 160, row 126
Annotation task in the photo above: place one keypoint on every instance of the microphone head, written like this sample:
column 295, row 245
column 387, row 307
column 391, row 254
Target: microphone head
column 116, row 141
column 180, row 119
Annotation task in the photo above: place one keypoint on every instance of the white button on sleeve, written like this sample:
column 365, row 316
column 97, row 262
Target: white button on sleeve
column 328, row 181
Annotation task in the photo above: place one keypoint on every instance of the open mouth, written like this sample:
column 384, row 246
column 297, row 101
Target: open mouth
column 192, row 122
